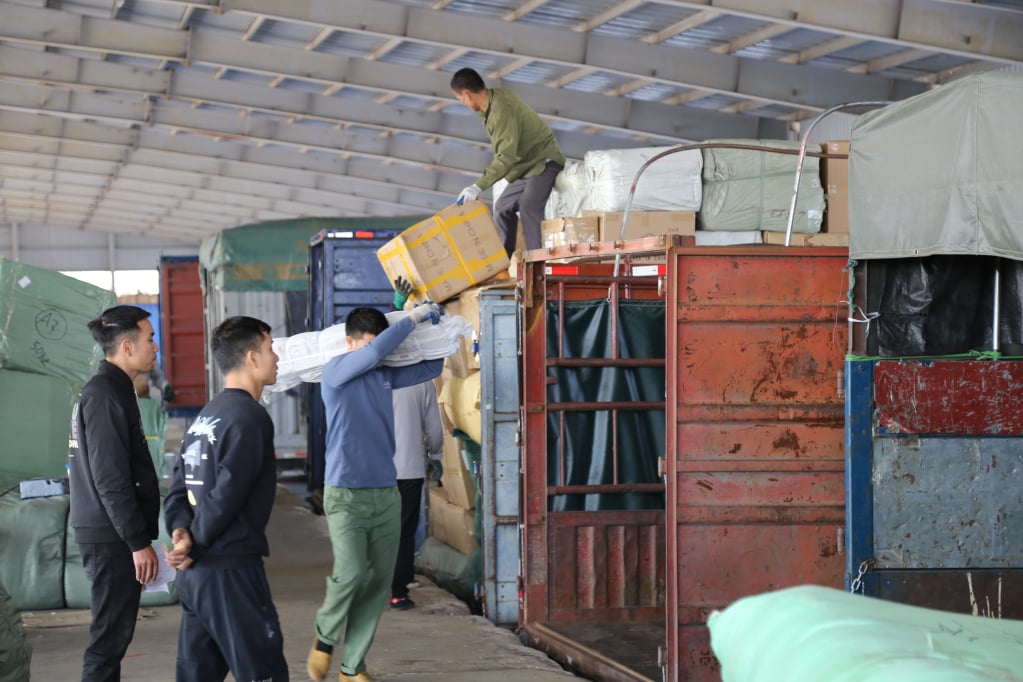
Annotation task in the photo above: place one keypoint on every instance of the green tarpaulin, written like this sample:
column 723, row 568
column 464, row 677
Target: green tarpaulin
column 35, row 418
column 76, row 586
column 34, row 572
column 272, row 256
column 15, row 653
column 450, row 569
column 154, row 425
column 43, row 322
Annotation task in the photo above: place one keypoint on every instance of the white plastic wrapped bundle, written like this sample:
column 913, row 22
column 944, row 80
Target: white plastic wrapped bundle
column 571, row 189
column 303, row 356
column 672, row 183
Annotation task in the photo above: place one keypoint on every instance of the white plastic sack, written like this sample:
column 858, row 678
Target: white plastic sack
column 672, row 183
column 303, row 356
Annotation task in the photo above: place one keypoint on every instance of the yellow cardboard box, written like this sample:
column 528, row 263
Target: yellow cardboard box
column 457, row 480
column 447, row 253
column 450, row 523
column 835, row 178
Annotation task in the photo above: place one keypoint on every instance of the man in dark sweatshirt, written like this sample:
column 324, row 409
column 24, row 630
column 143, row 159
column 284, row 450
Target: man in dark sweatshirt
column 217, row 510
column 115, row 495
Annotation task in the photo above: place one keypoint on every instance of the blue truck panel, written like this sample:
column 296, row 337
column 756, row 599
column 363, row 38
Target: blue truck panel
column 500, row 459
column 344, row 274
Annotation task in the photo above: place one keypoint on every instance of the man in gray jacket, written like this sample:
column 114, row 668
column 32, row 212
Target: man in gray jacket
column 417, row 432
column 115, row 495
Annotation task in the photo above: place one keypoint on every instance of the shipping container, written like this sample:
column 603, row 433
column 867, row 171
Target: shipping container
column 683, row 445
column 344, row 273
column 182, row 339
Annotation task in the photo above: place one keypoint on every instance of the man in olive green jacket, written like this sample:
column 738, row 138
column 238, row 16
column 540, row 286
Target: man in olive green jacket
column 525, row 154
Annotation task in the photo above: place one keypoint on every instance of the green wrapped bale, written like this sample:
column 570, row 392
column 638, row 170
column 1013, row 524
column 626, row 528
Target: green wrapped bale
column 747, row 190
column 35, row 419
column 44, row 318
column 77, row 587
column 154, row 425
column 820, row 634
column 15, row 653
column 34, row 572
column 450, row 569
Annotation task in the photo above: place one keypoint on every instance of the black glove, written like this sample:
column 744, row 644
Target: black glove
column 436, row 469
column 168, row 393
column 402, row 290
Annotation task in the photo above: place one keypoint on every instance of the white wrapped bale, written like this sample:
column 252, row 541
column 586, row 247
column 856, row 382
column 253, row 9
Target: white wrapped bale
column 671, row 183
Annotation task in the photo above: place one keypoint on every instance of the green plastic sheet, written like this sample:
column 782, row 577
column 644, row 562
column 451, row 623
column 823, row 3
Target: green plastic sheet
column 820, row 634
column 272, row 256
column 154, row 425
column 43, row 322
column 34, row 572
column 450, row 569
column 752, row 190
column 15, row 653
column 77, row 587
column 35, row 419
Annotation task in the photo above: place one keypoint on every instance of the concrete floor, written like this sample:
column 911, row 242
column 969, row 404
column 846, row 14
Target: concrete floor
column 436, row 641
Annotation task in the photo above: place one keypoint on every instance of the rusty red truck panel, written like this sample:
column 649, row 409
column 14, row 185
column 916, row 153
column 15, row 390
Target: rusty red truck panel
column 753, row 462
column 183, row 342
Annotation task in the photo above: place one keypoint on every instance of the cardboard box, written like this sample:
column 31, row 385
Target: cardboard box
column 645, row 224
column 799, row 239
column 457, row 480
column 449, row 523
column 835, row 178
column 563, row 231
column 447, row 253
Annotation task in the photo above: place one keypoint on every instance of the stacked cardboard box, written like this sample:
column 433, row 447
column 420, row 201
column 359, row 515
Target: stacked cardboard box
column 447, row 253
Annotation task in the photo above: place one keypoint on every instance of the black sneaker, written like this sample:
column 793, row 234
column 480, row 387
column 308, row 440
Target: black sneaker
column 402, row 603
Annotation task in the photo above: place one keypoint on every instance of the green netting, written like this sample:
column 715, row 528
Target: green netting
column 272, row 256
column 35, row 418
column 43, row 322
column 154, row 425
column 15, row 653
column 34, row 573
column 450, row 569
column 76, row 585
column 811, row 633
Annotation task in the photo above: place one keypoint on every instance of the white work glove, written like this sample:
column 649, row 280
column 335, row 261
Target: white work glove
column 426, row 311
column 470, row 193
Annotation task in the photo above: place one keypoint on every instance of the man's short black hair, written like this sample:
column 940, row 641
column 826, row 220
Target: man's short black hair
column 113, row 323
column 233, row 338
column 467, row 79
column 365, row 321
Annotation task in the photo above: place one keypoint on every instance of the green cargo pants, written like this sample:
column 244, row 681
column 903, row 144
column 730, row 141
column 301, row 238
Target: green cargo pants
column 365, row 527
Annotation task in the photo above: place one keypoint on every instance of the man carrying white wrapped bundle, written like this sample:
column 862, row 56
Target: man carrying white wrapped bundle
column 360, row 498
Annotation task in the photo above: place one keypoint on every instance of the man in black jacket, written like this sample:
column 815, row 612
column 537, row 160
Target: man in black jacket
column 217, row 510
column 115, row 495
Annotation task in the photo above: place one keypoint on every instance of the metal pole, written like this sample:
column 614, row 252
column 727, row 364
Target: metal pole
column 997, row 312
column 802, row 154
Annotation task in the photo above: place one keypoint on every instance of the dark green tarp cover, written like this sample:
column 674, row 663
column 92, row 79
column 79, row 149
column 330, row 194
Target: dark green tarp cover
column 272, row 256
column 450, row 569
column 15, row 653
column 43, row 318
column 35, row 418
column 588, row 434
column 34, row 572
column 154, row 425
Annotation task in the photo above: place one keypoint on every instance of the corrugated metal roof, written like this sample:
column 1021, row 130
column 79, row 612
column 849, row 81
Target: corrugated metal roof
column 345, row 106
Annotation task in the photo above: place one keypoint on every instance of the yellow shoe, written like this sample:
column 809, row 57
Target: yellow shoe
column 318, row 663
column 360, row 677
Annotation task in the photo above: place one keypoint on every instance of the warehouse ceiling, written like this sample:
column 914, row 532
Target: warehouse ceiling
column 179, row 118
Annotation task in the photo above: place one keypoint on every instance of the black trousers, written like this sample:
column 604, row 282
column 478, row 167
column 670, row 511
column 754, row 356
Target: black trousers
column 411, row 490
column 115, row 605
column 525, row 199
column 228, row 622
